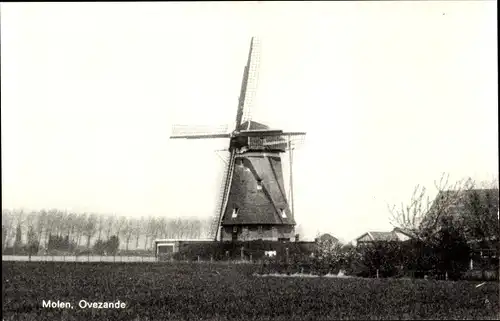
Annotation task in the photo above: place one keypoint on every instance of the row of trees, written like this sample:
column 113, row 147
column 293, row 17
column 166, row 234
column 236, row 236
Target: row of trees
column 84, row 230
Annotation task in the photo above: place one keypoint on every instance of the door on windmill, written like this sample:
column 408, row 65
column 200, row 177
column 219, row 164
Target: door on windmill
column 260, row 232
column 234, row 235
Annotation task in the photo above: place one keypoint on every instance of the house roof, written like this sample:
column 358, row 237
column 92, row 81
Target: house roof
column 252, row 125
column 487, row 198
column 327, row 237
column 378, row 236
column 463, row 206
column 384, row 236
column 403, row 231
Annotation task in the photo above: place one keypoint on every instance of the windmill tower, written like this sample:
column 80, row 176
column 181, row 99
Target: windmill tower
column 252, row 201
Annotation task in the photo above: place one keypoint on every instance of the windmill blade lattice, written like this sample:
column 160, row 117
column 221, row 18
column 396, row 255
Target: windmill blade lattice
column 189, row 130
column 221, row 204
column 284, row 141
column 253, row 80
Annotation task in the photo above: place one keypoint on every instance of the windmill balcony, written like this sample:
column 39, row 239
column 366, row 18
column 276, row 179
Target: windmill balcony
column 258, row 232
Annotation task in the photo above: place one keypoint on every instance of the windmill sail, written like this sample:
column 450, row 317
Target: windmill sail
column 248, row 84
column 196, row 132
column 222, row 197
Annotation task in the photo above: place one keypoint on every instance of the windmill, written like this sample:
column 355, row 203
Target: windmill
column 252, row 202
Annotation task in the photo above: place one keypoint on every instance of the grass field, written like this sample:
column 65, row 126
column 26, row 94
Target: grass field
column 191, row 291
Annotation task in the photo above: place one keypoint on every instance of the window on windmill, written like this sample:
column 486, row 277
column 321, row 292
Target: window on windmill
column 259, row 184
column 235, row 212
column 283, row 214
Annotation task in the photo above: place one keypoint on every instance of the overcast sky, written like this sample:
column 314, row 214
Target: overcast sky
column 391, row 94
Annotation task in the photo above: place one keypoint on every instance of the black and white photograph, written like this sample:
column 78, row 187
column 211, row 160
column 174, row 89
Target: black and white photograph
column 250, row 160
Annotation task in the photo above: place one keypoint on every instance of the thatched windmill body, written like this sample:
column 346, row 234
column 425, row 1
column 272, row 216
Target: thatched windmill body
column 252, row 201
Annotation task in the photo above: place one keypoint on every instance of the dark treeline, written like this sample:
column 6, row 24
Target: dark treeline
column 68, row 231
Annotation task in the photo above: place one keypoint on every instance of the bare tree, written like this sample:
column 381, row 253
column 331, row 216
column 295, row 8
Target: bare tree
column 69, row 225
column 127, row 231
column 421, row 216
column 120, row 224
column 32, row 240
column 181, row 227
column 32, row 237
column 138, row 230
column 171, row 228
column 41, row 224
column 80, row 222
column 109, row 225
column 59, row 222
column 481, row 215
column 31, row 219
column 151, row 231
column 18, row 241
column 206, row 225
column 195, row 227
column 90, row 228
column 49, row 223
column 100, row 226
column 162, row 227
column 7, row 227
column 20, row 220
